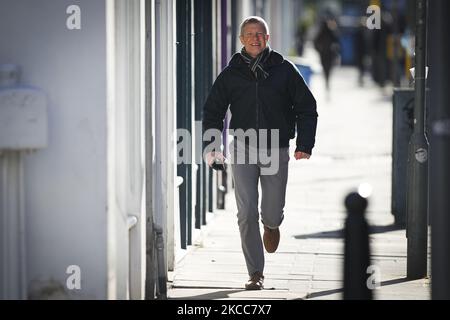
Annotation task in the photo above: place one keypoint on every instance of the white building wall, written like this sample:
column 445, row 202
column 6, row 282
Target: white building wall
column 281, row 19
column 126, row 154
column 165, row 189
column 65, row 190
column 244, row 9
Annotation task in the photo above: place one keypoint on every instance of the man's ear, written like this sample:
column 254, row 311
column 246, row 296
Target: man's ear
column 242, row 40
column 267, row 37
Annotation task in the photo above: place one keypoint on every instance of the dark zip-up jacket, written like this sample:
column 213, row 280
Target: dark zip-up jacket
column 282, row 101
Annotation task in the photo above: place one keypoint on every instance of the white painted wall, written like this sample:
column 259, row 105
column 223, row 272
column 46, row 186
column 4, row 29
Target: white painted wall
column 164, row 168
column 244, row 9
column 126, row 153
column 279, row 15
column 281, row 20
column 66, row 182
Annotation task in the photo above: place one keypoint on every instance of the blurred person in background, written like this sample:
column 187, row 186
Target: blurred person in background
column 300, row 37
column 360, row 49
column 326, row 43
column 379, row 49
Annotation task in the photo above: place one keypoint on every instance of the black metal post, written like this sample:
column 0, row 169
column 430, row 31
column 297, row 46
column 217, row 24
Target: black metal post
column 440, row 152
column 210, row 19
column 357, row 250
column 234, row 25
column 203, row 82
column 199, row 31
column 184, row 112
column 222, row 175
column 417, row 196
column 210, row 190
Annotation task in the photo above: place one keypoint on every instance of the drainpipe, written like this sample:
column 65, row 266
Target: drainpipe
column 23, row 127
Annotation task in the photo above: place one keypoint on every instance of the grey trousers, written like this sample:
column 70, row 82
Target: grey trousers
column 273, row 186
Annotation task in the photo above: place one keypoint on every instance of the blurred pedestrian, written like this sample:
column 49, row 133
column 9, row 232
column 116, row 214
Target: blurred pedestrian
column 300, row 37
column 360, row 50
column 326, row 43
column 379, row 48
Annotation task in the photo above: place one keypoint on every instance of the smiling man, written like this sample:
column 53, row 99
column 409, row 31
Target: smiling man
column 265, row 92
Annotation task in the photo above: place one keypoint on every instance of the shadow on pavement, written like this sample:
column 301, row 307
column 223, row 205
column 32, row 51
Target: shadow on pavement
column 340, row 290
column 222, row 294
column 323, row 293
column 336, row 234
column 394, row 281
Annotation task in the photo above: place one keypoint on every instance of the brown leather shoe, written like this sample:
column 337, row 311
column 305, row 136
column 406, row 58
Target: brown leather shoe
column 256, row 282
column 271, row 239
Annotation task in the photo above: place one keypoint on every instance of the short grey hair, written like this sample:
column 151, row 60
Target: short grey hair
column 254, row 19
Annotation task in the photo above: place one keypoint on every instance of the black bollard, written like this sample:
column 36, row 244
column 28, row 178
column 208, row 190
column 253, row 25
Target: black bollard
column 357, row 251
column 161, row 263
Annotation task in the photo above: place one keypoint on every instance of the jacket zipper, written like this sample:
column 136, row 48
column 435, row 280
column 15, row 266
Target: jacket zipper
column 257, row 109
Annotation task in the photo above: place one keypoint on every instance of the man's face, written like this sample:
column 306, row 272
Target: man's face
column 254, row 39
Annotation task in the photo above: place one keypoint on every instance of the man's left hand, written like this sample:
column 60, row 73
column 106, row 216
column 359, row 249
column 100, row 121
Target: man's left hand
column 301, row 155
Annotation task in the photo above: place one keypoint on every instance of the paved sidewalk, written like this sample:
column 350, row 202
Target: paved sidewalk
column 353, row 146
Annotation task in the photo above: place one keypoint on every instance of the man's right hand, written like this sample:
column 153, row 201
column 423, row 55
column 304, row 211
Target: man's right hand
column 301, row 155
column 210, row 157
